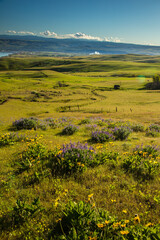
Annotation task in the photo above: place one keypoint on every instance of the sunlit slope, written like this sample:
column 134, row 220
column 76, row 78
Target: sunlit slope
column 46, row 86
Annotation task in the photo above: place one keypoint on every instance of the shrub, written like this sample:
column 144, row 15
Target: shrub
column 121, row 133
column 154, row 127
column 72, row 158
column 42, row 126
column 110, row 158
column 69, row 129
column 52, row 122
column 146, row 151
column 101, row 136
column 19, row 214
column 85, row 121
column 91, row 127
column 10, row 138
column 22, row 211
column 150, row 133
column 142, row 168
column 155, row 84
column 35, row 153
column 137, row 127
column 25, row 123
column 80, row 221
column 84, row 221
column 153, row 130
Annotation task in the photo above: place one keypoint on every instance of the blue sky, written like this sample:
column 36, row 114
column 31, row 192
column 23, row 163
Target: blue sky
column 131, row 21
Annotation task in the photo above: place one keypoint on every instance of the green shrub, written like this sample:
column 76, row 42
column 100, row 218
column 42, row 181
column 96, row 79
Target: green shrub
column 22, row 211
column 121, row 133
column 72, row 158
column 138, row 127
column 100, row 136
column 25, row 123
column 84, row 221
column 19, row 214
column 85, row 121
column 146, row 151
column 10, row 139
column 69, row 129
column 34, row 154
column 142, row 168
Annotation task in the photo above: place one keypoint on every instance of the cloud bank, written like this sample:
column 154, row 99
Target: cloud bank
column 77, row 35
column 20, row 32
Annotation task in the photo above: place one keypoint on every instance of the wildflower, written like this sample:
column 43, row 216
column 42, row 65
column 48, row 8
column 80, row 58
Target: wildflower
column 124, row 211
column 116, row 225
column 92, row 238
column 91, row 195
column 149, row 224
column 106, row 222
column 136, row 219
column 93, row 205
column 124, row 232
column 125, row 153
column 113, row 200
column 100, row 225
column 126, row 221
column 56, row 203
column 60, row 152
column 58, row 220
column 123, row 225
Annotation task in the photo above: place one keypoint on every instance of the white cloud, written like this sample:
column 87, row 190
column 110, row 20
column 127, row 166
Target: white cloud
column 11, row 31
column 77, row 35
column 112, row 39
column 20, row 32
column 95, row 53
column 26, row 33
column 47, row 33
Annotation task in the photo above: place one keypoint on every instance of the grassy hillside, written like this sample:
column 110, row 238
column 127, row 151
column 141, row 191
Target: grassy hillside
column 111, row 162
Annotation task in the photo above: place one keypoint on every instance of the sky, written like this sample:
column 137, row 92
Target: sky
column 126, row 21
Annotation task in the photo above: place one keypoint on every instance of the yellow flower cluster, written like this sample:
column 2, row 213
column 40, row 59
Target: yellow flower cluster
column 124, row 232
column 116, row 225
column 80, row 164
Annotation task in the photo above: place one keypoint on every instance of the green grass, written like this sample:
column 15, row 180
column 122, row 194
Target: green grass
column 76, row 88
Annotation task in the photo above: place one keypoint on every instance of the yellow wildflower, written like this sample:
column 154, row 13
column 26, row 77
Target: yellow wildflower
column 124, row 211
column 123, row 225
column 100, row 225
column 58, row 220
column 124, row 232
column 106, row 222
column 149, row 224
column 90, row 195
column 136, row 219
column 59, row 152
column 93, row 205
column 126, row 221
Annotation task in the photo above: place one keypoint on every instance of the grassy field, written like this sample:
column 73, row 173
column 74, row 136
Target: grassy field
column 38, row 183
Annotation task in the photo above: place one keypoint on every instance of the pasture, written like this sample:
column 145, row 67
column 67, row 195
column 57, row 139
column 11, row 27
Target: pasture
column 72, row 144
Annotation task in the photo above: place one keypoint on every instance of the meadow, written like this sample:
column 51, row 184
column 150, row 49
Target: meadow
column 79, row 159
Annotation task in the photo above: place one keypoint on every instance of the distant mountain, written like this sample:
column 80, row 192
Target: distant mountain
column 9, row 43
